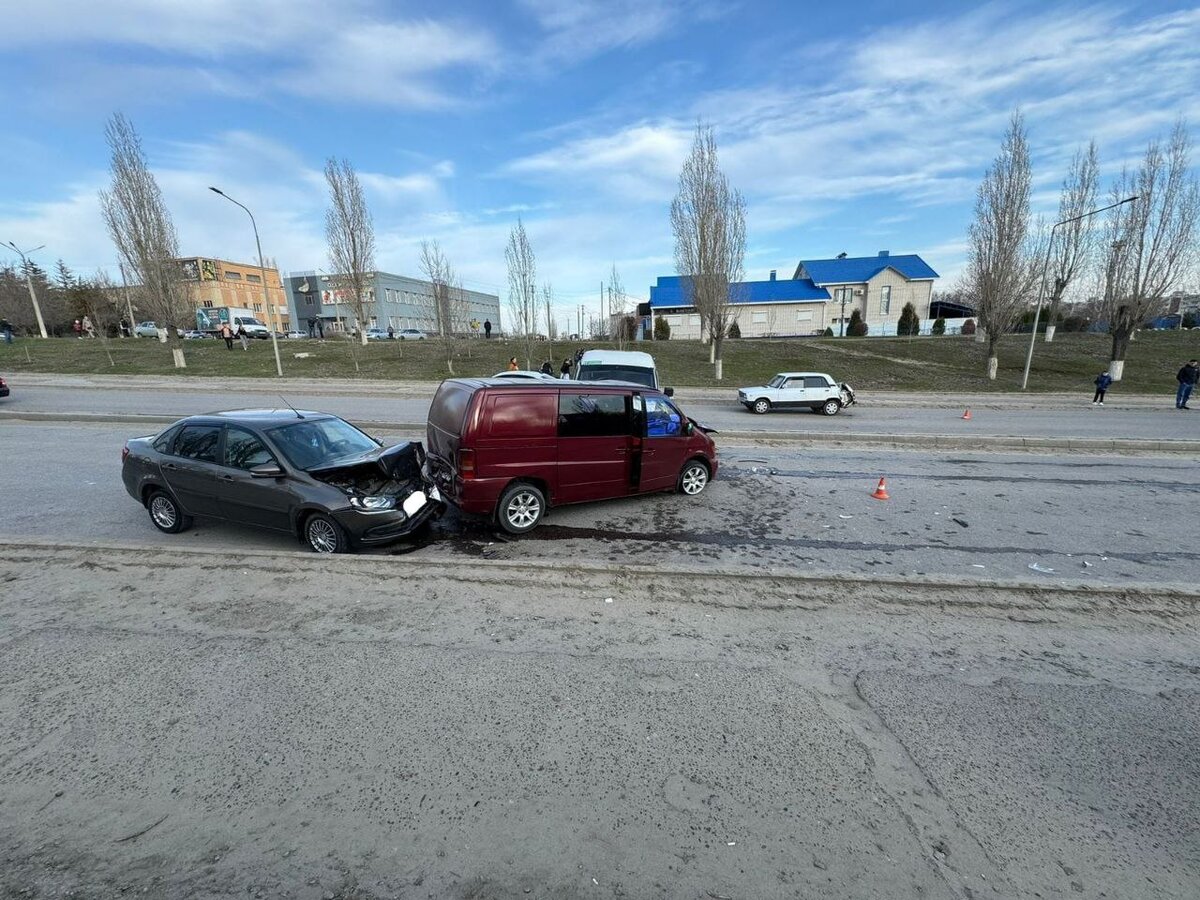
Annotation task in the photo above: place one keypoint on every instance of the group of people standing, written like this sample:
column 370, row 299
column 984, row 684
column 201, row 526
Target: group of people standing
column 84, row 327
column 569, row 365
column 228, row 334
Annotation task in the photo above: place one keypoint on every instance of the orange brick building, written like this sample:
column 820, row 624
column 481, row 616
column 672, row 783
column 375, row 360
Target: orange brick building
column 219, row 282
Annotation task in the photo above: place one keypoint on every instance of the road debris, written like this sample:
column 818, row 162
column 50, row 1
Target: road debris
column 1038, row 568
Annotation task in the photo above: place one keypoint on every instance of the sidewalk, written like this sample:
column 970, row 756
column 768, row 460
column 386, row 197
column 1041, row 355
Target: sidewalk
column 424, row 389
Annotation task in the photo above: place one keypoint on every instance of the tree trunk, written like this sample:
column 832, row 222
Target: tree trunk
column 717, row 345
column 993, row 363
column 1121, row 337
column 980, row 334
column 1049, row 334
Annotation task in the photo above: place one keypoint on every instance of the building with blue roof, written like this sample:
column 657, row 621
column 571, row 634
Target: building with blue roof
column 822, row 294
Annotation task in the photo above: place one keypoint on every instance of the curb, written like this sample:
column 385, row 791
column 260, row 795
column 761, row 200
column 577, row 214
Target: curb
column 951, row 592
column 857, row 439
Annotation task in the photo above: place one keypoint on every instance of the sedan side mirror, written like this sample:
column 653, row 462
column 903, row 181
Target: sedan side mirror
column 670, row 392
column 267, row 470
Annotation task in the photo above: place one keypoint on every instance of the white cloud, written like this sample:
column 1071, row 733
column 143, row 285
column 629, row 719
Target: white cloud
column 577, row 29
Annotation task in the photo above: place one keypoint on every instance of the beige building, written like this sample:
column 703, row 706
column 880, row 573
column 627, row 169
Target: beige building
column 219, row 282
column 822, row 294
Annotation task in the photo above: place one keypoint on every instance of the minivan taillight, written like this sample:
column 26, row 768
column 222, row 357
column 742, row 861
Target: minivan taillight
column 466, row 463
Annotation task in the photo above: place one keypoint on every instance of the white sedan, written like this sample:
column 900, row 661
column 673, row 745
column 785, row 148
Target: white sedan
column 796, row 390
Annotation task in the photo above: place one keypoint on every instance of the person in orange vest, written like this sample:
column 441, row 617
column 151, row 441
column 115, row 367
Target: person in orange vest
column 512, row 364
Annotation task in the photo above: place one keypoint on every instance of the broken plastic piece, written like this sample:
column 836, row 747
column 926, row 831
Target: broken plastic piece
column 1038, row 568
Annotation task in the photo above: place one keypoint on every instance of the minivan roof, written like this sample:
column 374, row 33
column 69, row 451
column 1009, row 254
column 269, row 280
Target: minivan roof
column 529, row 384
column 618, row 358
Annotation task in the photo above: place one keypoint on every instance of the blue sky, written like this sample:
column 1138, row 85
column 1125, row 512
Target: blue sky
column 852, row 126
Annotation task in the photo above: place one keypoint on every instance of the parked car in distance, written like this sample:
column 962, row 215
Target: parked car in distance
column 798, row 390
column 197, row 336
column 632, row 366
column 377, row 334
column 307, row 473
column 4, row 390
column 145, row 329
column 512, row 448
column 410, row 334
column 295, row 335
column 525, row 375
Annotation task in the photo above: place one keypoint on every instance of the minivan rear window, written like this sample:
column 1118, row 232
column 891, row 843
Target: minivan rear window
column 636, row 374
column 522, row 415
column 449, row 407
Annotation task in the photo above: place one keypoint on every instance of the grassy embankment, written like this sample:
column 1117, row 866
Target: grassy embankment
column 946, row 364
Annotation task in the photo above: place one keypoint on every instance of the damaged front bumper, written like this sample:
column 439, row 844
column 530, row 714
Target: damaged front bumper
column 382, row 527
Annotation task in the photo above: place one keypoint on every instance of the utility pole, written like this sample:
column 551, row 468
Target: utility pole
column 842, row 330
column 37, row 310
column 262, row 266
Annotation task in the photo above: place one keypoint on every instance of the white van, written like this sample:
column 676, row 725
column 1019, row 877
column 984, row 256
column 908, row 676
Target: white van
column 620, row 365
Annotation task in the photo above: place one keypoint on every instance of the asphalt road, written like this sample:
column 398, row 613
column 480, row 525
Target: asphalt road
column 1092, row 519
column 176, row 726
column 1112, row 421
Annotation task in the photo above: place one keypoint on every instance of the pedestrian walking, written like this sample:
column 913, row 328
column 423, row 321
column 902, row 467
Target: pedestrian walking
column 312, row 327
column 1103, row 382
column 565, row 371
column 1187, row 378
column 487, row 328
column 547, row 368
column 243, row 337
column 125, row 329
column 227, row 335
column 6, row 330
column 391, row 333
column 77, row 327
column 88, row 328
column 578, row 355
column 512, row 364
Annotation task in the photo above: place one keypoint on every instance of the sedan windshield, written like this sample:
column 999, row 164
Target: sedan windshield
column 321, row 443
column 776, row 382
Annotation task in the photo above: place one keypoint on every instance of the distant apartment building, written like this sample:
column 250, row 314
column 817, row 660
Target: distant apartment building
column 392, row 301
column 823, row 293
column 220, row 282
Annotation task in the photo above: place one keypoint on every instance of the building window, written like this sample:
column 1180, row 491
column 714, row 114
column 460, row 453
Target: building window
column 885, row 300
column 694, row 320
column 233, row 276
column 308, row 299
column 254, row 279
column 804, row 315
column 758, row 318
column 674, row 321
column 208, row 304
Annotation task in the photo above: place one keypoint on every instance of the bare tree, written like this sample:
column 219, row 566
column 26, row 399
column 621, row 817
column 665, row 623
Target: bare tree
column 1075, row 242
column 708, row 219
column 1000, row 268
column 350, row 235
column 142, row 230
column 617, row 306
column 522, row 288
column 1151, row 242
column 440, row 275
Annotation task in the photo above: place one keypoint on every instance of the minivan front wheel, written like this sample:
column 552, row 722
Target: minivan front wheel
column 520, row 508
column 694, row 478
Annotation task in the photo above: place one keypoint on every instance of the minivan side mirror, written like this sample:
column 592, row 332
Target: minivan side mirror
column 670, row 392
column 267, row 470
column 689, row 428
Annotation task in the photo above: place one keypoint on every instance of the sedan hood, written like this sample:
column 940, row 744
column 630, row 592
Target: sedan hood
column 401, row 461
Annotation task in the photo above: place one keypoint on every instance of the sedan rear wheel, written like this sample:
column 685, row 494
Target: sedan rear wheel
column 520, row 508
column 762, row 405
column 831, row 407
column 694, row 478
column 165, row 513
column 324, row 535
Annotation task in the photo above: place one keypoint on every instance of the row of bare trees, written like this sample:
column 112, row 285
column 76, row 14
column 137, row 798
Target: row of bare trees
column 1145, row 244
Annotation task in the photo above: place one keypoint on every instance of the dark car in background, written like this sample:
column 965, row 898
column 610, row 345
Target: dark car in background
column 307, row 473
column 3, row 388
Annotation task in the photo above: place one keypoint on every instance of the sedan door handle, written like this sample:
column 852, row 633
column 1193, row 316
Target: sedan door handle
column 170, row 466
column 227, row 478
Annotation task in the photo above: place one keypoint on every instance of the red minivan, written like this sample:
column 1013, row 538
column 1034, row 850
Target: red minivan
column 512, row 449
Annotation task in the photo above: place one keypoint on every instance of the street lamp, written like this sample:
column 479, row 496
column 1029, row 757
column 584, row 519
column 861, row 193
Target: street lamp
column 263, row 269
column 1042, row 288
column 37, row 310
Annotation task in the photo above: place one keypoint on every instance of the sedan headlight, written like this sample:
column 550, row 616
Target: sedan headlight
column 373, row 504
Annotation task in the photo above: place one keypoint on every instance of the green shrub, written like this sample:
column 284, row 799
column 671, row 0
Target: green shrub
column 734, row 331
column 828, row 331
column 939, row 325
column 662, row 330
column 857, row 327
column 910, row 322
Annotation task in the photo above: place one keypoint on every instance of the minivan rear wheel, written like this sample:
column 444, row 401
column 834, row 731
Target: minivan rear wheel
column 520, row 508
column 694, row 478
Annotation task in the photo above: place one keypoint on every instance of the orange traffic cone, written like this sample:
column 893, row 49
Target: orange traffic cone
column 967, row 415
column 881, row 491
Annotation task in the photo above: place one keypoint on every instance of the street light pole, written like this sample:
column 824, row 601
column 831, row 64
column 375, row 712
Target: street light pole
column 1042, row 287
column 263, row 269
column 37, row 310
